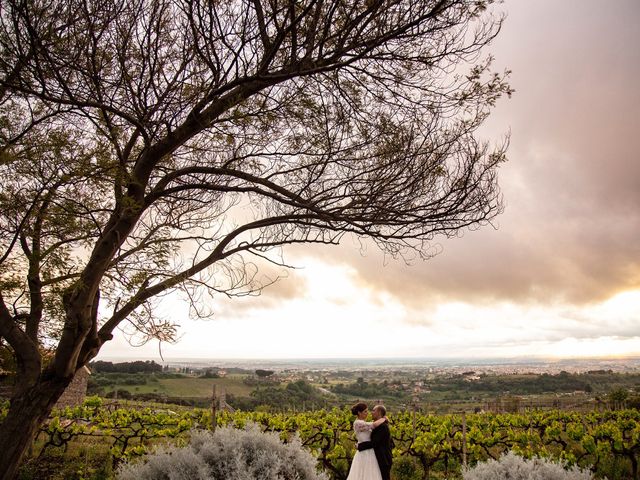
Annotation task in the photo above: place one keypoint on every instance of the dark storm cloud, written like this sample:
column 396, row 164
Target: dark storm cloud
column 571, row 229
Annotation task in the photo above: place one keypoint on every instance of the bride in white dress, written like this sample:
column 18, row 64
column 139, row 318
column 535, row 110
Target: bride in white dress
column 364, row 465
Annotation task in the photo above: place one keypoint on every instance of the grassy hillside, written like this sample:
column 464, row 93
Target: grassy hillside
column 202, row 387
column 181, row 387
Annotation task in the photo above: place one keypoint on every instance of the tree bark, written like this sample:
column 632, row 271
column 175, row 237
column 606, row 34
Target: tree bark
column 26, row 413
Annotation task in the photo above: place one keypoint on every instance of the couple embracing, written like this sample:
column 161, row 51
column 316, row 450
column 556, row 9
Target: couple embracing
column 373, row 459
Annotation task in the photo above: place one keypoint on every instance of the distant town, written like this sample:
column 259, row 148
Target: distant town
column 426, row 384
column 433, row 365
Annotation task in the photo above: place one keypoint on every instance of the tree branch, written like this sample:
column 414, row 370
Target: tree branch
column 27, row 355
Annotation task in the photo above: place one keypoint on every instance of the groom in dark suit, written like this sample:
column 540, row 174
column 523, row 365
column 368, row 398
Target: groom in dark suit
column 381, row 443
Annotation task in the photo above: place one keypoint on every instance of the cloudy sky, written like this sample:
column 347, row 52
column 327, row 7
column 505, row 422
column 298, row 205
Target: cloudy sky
column 559, row 276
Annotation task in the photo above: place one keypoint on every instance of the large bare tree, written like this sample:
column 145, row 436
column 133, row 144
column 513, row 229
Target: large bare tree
column 154, row 145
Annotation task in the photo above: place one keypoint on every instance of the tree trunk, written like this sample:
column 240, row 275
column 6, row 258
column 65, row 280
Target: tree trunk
column 26, row 414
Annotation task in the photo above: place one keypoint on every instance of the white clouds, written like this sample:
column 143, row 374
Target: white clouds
column 336, row 317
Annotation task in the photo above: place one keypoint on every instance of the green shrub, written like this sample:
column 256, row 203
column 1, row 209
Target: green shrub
column 93, row 401
column 407, row 468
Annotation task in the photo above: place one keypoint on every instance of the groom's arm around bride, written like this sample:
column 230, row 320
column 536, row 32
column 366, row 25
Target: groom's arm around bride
column 381, row 443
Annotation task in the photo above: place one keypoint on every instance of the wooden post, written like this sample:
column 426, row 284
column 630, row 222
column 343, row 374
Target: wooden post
column 213, row 409
column 414, row 424
column 464, row 439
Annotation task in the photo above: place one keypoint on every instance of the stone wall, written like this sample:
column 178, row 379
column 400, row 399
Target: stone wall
column 76, row 392
column 5, row 392
column 73, row 396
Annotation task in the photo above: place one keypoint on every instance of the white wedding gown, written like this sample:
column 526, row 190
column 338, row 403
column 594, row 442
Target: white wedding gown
column 364, row 465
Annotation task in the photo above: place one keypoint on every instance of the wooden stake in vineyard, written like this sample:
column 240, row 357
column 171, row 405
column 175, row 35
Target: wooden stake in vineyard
column 213, row 409
column 413, row 420
column 464, row 439
column 218, row 403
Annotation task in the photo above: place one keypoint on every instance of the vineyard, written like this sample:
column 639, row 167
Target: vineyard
column 426, row 446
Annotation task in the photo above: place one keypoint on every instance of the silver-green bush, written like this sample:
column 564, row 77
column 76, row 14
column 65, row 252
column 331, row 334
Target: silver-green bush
column 228, row 454
column 514, row 467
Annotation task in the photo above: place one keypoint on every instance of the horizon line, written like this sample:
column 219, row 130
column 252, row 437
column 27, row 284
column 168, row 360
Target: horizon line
column 381, row 358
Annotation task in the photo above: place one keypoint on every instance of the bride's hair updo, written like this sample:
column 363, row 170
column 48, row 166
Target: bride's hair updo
column 358, row 407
